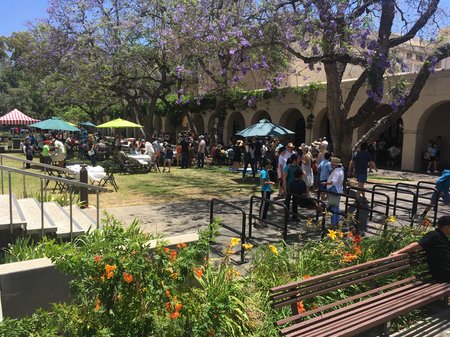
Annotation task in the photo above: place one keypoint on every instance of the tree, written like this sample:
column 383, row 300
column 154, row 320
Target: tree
column 336, row 33
column 216, row 44
column 101, row 54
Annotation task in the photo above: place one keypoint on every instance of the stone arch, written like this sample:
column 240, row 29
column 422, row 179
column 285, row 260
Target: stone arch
column 199, row 123
column 392, row 136
column 321, row 127
column 261, row 114
column 211, row 129
column 157, row 124
column 435, row 121
column 235, row 124
column 294, row 120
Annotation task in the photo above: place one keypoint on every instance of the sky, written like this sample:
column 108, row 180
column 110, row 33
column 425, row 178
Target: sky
column 14, row 14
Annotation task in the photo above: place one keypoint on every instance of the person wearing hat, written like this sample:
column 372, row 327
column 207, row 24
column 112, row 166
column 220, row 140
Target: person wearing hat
column 201, row 152
column 289, row 151
column 335, row 183
column 436, row 245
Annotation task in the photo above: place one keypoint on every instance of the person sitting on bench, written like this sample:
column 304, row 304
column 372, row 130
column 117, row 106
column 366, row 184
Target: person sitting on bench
column 436, row 245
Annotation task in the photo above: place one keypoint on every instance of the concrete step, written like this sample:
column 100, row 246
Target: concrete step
column 31, row 209
column 81, row 218
column 18, row 218
column 62, row 220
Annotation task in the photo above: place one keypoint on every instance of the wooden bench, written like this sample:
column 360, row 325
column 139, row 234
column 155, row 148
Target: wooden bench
column 368, row 297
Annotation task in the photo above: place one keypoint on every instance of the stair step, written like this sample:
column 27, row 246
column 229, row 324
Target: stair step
column 81, row 218
column 31, row 209
column 18, row 218
column 62, row 220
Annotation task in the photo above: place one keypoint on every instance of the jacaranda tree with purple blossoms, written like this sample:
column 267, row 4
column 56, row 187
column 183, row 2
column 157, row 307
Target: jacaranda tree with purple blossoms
column 217, row 43
column 109, row 52
column 334, row 34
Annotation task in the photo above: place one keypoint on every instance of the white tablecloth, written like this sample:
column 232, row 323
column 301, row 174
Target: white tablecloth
column 95, row 173
column 142, row 158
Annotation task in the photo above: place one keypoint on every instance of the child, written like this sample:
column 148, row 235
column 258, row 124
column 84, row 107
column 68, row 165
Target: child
column 266, row 191
column 168, row 156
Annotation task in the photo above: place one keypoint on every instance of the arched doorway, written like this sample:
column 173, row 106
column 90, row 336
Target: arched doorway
column 321, row 128
column 235, row 124
column 391, row 137
column 293, row 119
column 261, row 114
column 211, row 122
column 199, row 123
column 434, row 123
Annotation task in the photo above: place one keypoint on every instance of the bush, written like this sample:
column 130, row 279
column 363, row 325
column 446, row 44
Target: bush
column 122, row 288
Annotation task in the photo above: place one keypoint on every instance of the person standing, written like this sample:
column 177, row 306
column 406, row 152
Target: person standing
column 266, row 191
column 249, row 159
column 59, row 152
column 288, row 177
column 280, row 171
column 185, row 145
column 441, row 191
column 359, row 164
column 91, row 149
column 46, row 153
column 28, row 152
column 306, row 161
column 201, row 152
column 335, row 183
column 432, row 152
column 324, row 170
column 168, row 157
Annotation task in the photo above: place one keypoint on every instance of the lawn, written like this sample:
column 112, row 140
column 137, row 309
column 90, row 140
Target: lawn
column 155, row 188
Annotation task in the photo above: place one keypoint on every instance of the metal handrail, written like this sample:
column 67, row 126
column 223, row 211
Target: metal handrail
column 45, row 167
column 43, row 177
column 244, row 218
column 271, row 202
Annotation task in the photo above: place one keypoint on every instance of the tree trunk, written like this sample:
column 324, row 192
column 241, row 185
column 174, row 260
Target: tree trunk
column 193, row 127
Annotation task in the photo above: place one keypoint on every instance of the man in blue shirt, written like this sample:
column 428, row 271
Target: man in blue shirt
column 441, row 191
column 358, row 165
column 266, row 190
column 324, row 169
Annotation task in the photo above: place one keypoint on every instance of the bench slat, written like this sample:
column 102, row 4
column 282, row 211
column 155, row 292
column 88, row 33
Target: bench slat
column 377, row 310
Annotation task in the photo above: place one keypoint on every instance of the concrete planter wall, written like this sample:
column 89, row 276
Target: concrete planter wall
column 29, row 285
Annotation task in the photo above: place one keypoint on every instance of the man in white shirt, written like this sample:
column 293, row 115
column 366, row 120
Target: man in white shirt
column 335, row 183
column 280, row 169
column 149, row 150
column 201, row 152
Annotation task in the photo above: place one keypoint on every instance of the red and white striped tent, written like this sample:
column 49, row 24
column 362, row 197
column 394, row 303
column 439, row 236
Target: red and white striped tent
column 16, row 117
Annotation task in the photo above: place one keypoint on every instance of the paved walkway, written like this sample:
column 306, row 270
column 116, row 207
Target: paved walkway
column 189, row 217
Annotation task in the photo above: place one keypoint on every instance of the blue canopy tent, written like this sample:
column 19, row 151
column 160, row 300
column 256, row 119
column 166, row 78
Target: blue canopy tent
column 54, row 124
column 88, row 124
column 264, row 128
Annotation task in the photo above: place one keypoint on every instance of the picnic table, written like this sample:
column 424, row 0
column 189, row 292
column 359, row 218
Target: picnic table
column 95, row 173
column 144, row 159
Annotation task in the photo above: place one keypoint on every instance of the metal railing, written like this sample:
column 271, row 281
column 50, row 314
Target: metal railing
column 45, row 167
column 271, row 202
column 43, row 178
column 411, row 210
column 241, row 233
column 373, row 202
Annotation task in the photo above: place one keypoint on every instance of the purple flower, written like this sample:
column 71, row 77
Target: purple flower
column 263, row 62
column 268, row 85
column 181, row 91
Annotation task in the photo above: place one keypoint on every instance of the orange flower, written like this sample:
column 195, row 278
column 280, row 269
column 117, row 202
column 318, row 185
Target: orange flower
column 97, row 258
column 168, row 306
column 183, row 245
column 357, row 249
column 128, row 278
column 110, row 271
column 300, row 307
column 166, row 250
column 198, row 272
column 357, row 239
column 167, row 293
column 178, row 246
column 306, row 276
column 97, row 304
column 178, row 307
column 348, row 257
column 173, row 255
column 174, row 275
column 175, row 315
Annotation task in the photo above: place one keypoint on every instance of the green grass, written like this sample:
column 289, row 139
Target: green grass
column 153, row 188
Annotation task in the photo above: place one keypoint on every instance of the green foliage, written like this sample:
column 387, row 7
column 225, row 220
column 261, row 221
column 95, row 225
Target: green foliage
column 122, row 288
column 308, row 93
column 23, row 249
